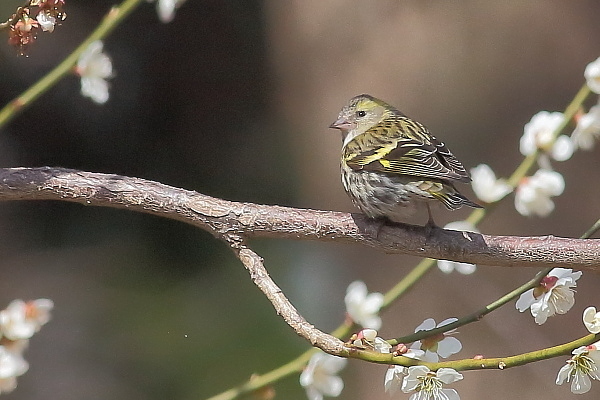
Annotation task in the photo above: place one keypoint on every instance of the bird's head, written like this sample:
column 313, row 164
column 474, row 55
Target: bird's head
column 361, row 113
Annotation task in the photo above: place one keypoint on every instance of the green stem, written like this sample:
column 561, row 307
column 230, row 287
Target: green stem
column 408, row 281
column 477, row 364
column 475, row 316
column 569, row 115
column 112, row 19
column 529, row 162
column 593, row 229
column 520, row 359
column 342, row 331
column 259, row 381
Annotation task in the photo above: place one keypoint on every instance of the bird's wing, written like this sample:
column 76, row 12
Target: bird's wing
column 410, row 154
column 449, row 161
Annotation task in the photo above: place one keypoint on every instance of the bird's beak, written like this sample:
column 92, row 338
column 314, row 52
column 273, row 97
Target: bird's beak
column 341, row 124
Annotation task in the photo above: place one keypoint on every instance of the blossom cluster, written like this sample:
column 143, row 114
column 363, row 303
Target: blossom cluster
column 18, row 322
column 419, row 379
column 534, row 193
column 95, row 67
column 27, row 22
column 553, row 295
column 320, row 377
column 583, row 367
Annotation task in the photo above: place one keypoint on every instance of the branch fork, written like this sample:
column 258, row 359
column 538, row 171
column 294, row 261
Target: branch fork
column 236, row 222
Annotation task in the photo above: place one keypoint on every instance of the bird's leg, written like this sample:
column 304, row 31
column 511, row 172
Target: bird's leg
column 374, row 229
column 430, row 226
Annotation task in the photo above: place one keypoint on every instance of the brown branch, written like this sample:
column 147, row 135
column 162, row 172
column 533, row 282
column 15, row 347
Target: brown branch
column 254, row 264
column 224, row 218
column 235, row 222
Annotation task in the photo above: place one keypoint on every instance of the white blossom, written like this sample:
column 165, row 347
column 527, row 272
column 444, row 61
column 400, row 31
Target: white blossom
column 440, row 345
column 554, row 295
column 539, row 134
column 591, row 320
column 485, row 185
column 46, row 21
column 429, row 385
column 587, row 131
column 368, row 338
column 363, row 306
column 592, row 75
column 534, row 193
column 448, row 266
column 393, row 378
column 20, row 320
column 166, row 9
column 563, row 148
column 12, row 365
column 580, row 368
column 319, row 378
column 94, row 67
column 394, row 375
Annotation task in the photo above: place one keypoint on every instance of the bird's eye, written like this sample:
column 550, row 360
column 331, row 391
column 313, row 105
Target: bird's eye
column 361, row 113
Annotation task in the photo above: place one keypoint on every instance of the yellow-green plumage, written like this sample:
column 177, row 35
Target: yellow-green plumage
column 391, row 164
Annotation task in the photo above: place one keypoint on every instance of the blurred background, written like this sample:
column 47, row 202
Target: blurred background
column 233, row 99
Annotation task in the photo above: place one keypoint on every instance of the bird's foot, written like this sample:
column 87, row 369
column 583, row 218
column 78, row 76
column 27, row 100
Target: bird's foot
column 430, row 226
column 374, row 228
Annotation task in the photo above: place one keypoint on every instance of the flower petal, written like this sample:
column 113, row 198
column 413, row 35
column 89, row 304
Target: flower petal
column 449, row 375
column 450, row 394
column 591, row 320
column 581, row 383
column 525, row 300
column 448, row 346
column 446, row 266
column 563, row 148
column 426, row 325
column 563, row 374
column 393, row 378
column 592, row 75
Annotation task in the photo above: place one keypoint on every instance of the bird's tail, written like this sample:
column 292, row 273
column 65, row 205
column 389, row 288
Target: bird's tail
column 468, row 202
column 453, row 200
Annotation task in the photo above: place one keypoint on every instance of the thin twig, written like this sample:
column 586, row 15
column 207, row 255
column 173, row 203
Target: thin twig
column 112, row 19
column 477, row 315
column 259, row 275
column 478, row 364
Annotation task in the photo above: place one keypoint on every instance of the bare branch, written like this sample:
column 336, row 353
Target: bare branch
column 226, row 219
column 254, row 264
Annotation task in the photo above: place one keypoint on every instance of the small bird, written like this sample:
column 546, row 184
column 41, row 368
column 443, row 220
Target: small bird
column 391, row 164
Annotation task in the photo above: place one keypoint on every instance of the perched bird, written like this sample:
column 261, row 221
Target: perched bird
column 391, row 164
